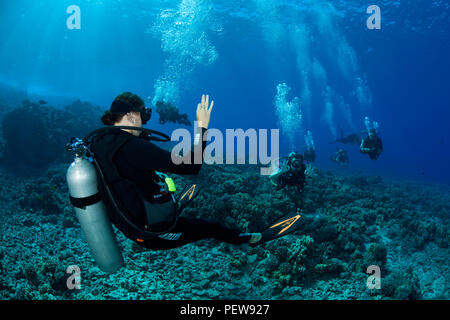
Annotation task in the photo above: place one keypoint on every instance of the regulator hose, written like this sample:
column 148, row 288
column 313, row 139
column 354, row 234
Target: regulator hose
column 147, row 134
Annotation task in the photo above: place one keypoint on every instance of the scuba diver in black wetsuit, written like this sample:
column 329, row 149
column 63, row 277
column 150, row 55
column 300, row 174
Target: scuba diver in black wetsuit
column 310, row 151
column 371, row 144
column 352, row 138
column 341, row 157
column 117, row 177
column 132, row 168
column 168, row 112
column 309, row 155
column 291, row 173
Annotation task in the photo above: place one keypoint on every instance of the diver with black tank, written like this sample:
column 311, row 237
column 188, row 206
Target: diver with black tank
column 371, row 143
column 291, row 172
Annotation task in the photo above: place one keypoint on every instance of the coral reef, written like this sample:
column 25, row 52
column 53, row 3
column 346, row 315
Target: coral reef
column 35, row 134
column 402, row 285
column 349, row 223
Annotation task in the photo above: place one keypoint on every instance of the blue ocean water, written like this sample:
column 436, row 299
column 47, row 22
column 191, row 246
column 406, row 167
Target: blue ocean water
column 297, row 66
column 239, row 51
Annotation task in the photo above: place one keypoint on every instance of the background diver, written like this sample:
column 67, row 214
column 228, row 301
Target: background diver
column 168, row 112
column 341, row 157
column 133, row 170
column 371, row 143
column 290, row 173
column 352, row 138
column 310, row 151
column 309, row 155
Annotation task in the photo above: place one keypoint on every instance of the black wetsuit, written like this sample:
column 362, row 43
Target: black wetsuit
column 341, row 157
column 375, row 145
column 136, row 161
column 310, row 155
column 294, row 176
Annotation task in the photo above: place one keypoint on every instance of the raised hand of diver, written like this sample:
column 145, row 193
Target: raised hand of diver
column 204, row 111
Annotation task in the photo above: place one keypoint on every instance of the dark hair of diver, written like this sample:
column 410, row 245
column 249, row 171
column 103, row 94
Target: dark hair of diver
column 110, row 118
column 122, row 104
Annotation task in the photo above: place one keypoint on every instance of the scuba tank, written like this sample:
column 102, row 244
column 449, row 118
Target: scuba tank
column 91, row 212
column 82, row 180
